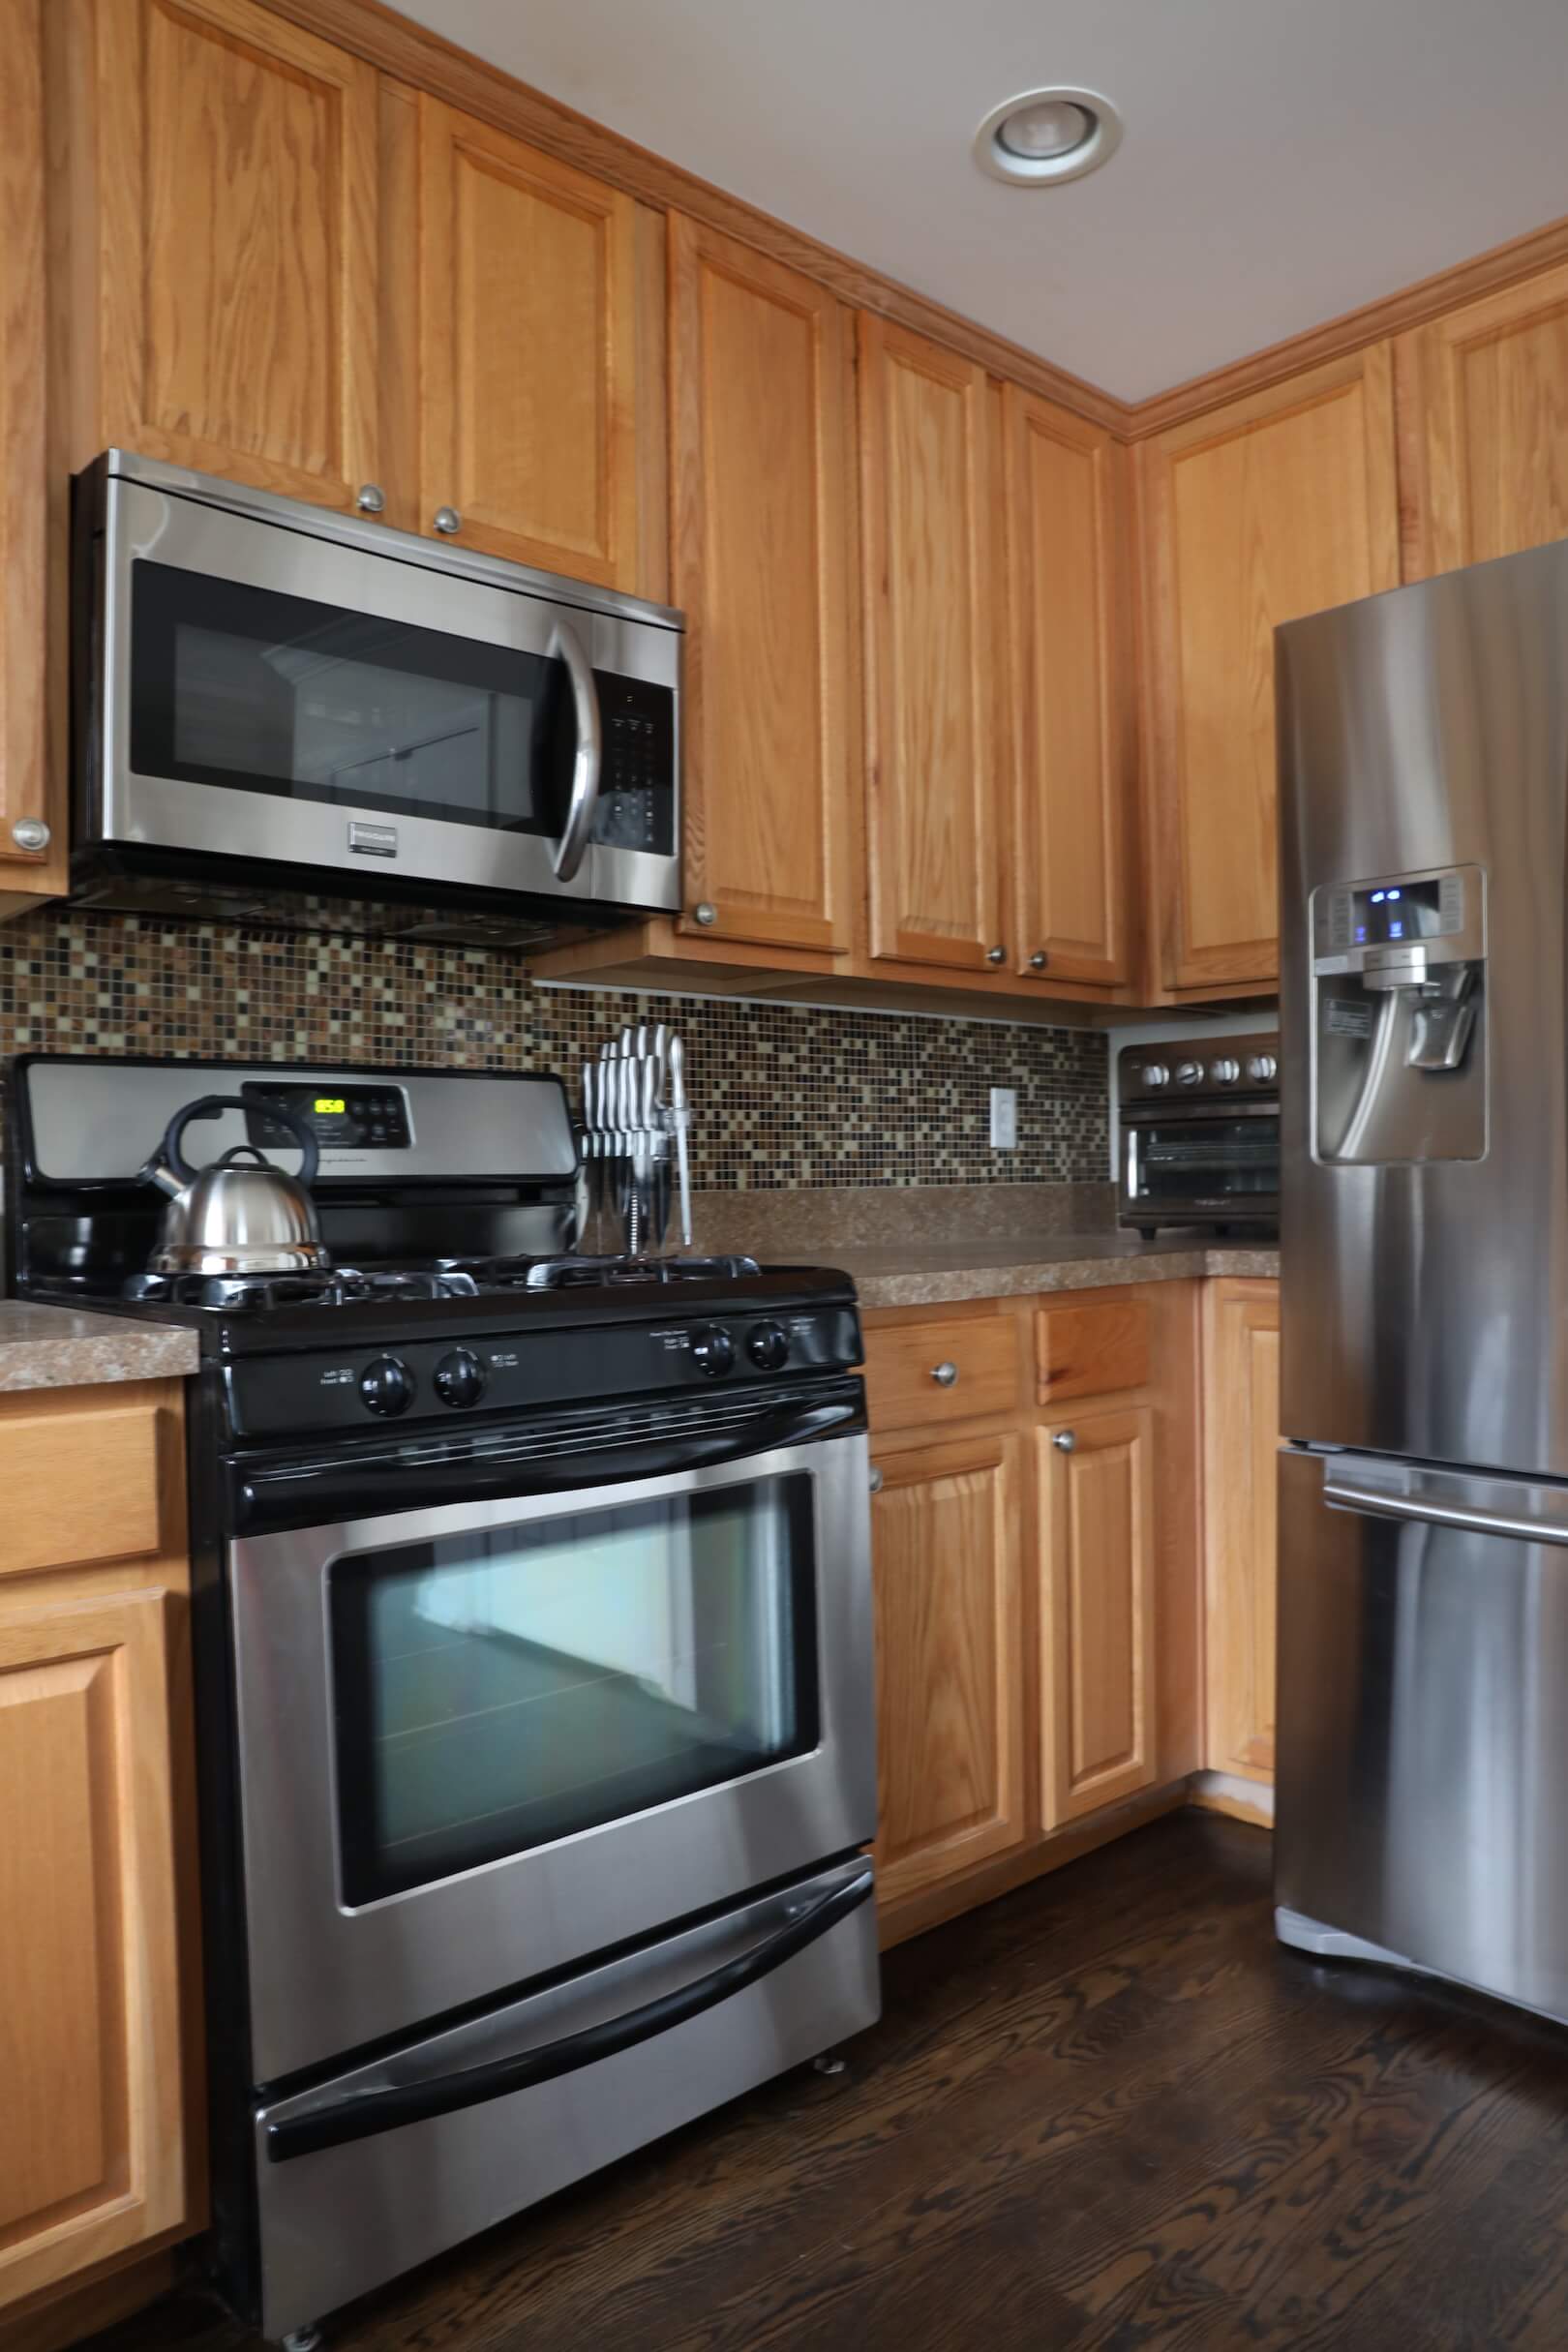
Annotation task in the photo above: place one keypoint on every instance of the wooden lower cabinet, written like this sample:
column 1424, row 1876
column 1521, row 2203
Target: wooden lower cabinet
column 1096, row 1610
column 948, row 1557
column 1036, row 1618
column 100, row 2156
column 1240, row 1419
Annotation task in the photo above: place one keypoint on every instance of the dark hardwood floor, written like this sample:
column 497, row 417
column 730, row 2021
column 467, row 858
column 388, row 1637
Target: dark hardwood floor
column 1107, row 2111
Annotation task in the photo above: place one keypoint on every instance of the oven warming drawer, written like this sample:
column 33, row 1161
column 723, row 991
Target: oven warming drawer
column 715, row 2012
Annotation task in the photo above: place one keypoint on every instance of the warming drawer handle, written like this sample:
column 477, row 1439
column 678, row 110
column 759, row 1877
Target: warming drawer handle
column 1341, row 1496
column 365, row 2112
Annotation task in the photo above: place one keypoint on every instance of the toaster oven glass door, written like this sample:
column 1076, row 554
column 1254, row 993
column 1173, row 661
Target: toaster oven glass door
column 1202, row 1165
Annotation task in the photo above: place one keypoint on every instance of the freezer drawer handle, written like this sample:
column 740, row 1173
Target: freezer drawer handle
column 1341, row 1497
column 365, row 2112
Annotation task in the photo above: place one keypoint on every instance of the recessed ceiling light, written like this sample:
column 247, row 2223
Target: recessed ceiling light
column 1046, row 136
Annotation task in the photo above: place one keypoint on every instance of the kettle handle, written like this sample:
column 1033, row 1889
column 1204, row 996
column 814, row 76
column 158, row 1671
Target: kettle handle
column 206, row 1106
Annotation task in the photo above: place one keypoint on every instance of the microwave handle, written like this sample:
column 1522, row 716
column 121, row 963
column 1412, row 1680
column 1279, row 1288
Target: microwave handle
column 360, row 2115
column 588, row 766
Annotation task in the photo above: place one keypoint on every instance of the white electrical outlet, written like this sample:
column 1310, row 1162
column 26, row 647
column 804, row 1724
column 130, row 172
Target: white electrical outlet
column 1004, row 1118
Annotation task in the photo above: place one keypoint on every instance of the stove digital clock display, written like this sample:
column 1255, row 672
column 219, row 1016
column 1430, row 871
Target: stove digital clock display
column 362, row 1118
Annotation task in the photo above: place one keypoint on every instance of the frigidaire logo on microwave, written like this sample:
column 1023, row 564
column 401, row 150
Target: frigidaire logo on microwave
column 374, row 840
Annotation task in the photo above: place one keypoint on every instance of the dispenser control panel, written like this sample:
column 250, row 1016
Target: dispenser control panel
column 1441, row 909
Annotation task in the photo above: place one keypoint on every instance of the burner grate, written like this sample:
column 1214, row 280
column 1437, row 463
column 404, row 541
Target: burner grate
column 342, row 1287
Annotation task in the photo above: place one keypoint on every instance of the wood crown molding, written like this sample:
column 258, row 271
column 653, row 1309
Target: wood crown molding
column 410, row 53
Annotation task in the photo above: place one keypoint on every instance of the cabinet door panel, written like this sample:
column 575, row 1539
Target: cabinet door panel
column 237, row 218
column 1270, row 508
column 527, row 296
column 1484, row 422
column 1097, row 1612
column 947, row 1543
column 1066, row 511
column 92, row 2159
column 932, row 615
column 761, row 401
column 1241, row 1468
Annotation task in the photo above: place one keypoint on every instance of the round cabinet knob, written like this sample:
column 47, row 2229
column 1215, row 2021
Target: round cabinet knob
column 712, row 1349
column 769, row 1346
column 1189, row 1073
column 30, row 834
column 447, row 519
column 372, row 499
column 459, row 1378
column 996, row 956
column 1155, row 1075
column 1065, row 1441
column 1262, row 1069
column 874, row 1481
column 1039, row 960
column 706, row 914
column 387, row 1386
column 1225, row 1071
column 945, row 1375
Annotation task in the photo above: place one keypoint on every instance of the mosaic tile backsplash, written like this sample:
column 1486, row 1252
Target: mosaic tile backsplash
column 783, row 1097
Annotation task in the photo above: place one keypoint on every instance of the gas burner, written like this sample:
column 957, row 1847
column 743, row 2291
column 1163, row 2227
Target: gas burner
column 574, row 1270
column 343, row 1286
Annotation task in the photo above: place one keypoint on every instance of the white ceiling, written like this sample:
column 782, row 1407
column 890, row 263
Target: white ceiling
column 1284, row 160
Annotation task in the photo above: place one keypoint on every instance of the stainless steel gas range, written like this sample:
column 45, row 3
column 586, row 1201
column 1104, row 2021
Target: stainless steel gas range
column 533, row 1644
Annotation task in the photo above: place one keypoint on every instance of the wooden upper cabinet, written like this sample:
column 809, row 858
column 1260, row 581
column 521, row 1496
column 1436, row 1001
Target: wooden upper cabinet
column 225, row 247
column 93, row 2156
column 1483, row 394
column 946, row 1546
column 1256, row 513
column 933, row 614
column 1072, row 681
column 29, row 793
column 1097, row 1611
column 761, row 404
column 528, row 375
column 1241, row 1443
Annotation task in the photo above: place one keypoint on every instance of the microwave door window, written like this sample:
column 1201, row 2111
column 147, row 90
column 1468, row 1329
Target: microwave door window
column 253, row 691
column 502, row 1691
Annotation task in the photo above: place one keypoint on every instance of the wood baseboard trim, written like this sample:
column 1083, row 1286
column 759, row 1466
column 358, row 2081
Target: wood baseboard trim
column 983, row 1884
column 1240, row 1801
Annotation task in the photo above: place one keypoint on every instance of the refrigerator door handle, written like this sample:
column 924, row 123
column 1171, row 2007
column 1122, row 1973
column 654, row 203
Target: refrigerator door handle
column 1341, row 1493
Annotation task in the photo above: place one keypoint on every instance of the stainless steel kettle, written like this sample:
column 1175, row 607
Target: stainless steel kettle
column 241, row 1214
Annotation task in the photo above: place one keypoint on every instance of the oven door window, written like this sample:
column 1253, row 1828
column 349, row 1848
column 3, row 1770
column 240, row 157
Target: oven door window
column 505, row 1690
column 1196, row 1162
column 260, row 692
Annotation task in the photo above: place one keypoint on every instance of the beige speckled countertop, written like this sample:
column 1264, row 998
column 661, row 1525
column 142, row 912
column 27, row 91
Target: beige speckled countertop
column 61, row 1348
column 933, row 1273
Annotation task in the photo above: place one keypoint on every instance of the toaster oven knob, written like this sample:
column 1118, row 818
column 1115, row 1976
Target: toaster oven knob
column 387, row 1386
column 1153, row 1074
column 459, row 1378
column 1189, row 1073
column 1263, row 1069
column 1225, row 1072
column 769, row 1346
column 712, row 1349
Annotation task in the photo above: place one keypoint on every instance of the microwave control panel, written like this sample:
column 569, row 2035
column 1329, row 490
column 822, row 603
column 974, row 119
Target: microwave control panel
column 636, row 809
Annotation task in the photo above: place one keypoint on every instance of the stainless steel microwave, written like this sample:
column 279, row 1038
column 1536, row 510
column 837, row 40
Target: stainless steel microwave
column 297, row 718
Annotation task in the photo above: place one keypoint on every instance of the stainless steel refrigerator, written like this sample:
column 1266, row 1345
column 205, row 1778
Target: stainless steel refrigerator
column 1423, row 1618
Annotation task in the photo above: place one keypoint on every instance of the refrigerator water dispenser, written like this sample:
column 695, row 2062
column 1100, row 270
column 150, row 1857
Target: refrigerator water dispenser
column 1398, row 1057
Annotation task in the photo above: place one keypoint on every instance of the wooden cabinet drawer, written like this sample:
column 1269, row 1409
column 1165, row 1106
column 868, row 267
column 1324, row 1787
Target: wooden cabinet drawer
column 1093, row 1348
column 922, row 1376
column 80, row 1486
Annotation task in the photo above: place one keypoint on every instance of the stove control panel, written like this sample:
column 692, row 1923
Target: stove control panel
column 498, row 1364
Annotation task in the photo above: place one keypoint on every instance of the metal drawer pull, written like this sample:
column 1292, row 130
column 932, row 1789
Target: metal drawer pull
column 1065, row 1441
column 874, row 1481
column 372, row 499
column 996, row 956
column 1039, row 960
column 945, row 1375
column 447, row 519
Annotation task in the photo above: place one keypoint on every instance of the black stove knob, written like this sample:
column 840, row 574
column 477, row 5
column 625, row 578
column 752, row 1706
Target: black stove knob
column 712, row 1349
column 459, row 1378
column 387, row 1385
column 768, row 1344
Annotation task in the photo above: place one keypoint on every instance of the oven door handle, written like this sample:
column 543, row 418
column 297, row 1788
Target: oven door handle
column 363, row 2114
column 587, row 768
column 320, row 1490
